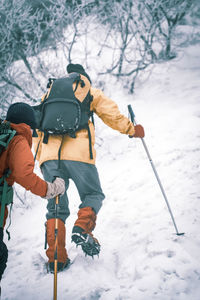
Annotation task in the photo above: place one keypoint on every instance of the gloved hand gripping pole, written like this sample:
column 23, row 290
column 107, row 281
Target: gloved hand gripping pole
column 132, row 115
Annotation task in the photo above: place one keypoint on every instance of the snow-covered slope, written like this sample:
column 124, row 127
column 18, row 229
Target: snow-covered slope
column 141, row 257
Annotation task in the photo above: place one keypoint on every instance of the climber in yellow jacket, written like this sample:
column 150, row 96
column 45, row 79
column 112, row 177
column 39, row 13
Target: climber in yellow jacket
column 76, row 164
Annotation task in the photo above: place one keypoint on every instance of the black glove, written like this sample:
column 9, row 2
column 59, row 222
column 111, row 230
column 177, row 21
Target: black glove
column 3, row 254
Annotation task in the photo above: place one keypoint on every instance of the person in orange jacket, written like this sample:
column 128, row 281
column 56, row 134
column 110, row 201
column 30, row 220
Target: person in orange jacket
column 76, row 164
column 18, row 159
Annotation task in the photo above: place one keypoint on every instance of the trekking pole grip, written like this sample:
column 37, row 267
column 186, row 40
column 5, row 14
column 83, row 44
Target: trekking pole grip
column 132, row 115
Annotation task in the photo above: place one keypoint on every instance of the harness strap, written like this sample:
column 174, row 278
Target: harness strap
column 59, row 152
column 92, row 118
column 36, row 152
column 90, row 141
column 46, row 137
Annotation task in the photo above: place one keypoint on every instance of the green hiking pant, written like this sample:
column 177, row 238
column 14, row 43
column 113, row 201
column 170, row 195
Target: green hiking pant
column 86, row 178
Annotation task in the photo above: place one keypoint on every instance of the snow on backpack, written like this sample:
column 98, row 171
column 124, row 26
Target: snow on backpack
column 61, row 112
column 6, row 191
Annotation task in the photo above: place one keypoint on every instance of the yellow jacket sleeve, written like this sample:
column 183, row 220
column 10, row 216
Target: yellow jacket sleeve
column 108, row 111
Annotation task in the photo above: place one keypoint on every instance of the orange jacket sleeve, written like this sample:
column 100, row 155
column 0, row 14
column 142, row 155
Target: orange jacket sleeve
column 21, row 164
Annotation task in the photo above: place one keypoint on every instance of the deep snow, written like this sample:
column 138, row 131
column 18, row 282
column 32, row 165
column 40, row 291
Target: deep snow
column 141, row 256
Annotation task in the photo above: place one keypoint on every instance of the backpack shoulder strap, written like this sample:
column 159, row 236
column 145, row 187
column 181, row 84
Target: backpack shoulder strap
column 6, row 135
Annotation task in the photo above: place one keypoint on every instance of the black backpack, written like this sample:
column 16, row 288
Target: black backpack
column 61, row 113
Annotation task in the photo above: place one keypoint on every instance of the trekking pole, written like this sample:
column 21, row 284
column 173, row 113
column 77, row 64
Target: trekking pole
column 56, row 249
column 132, row 115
